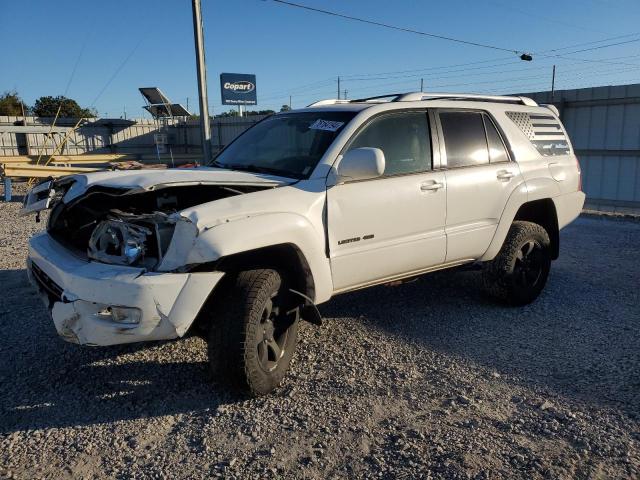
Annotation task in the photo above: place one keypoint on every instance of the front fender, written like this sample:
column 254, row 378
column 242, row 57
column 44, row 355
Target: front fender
column 265, row 230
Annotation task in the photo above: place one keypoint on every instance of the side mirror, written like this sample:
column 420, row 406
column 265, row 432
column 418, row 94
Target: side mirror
column 361, row 164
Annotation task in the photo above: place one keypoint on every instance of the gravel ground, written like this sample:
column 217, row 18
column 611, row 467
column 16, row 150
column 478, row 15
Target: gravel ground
column 425, row 380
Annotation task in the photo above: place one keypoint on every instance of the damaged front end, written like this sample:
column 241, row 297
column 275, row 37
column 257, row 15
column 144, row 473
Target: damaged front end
column 130, row 227
column 111, row 265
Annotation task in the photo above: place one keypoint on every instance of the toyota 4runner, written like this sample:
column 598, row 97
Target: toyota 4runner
column 305, row 205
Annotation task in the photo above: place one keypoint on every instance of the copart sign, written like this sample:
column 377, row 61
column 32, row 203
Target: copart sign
column 238, row 89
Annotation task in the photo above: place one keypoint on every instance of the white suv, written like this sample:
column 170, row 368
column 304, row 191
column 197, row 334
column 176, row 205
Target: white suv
column 306, row 204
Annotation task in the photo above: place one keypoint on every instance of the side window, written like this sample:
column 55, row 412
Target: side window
column 464, row 138
column 404, row 139
column 497, row 151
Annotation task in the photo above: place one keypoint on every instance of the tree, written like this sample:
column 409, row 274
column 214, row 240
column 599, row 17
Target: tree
column 285, row 108
column 248, row 113
column 230, row 113
column 48, row 106
column 11, row 104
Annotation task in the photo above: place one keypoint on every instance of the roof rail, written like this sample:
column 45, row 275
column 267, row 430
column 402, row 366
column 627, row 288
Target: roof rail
column 393, row 97
column 334, row 101
column 328, row 101
column 422, row 96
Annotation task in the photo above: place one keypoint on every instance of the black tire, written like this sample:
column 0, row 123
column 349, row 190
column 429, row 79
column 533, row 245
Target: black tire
column 519, row 272
column 253, row 331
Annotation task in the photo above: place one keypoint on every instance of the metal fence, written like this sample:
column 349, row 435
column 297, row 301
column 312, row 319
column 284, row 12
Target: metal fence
column 38, row 136
column 603, row 122
column 604, row 126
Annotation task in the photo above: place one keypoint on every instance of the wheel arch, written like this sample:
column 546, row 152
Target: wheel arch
column 285, row 257
column 543, row 212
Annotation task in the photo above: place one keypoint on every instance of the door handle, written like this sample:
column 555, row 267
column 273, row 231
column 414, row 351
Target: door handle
column 505, row 175
column 433, row 186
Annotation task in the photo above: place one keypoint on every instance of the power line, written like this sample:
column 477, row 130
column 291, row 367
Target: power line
column 512, row 80
column 497, row 59
column 541, row 53
column 300, row 90
column 518, row 85
column 117, row 71
column 393, row 27
column 603, row 46
column 618, row 37
column 75, row 65
column 546, row 19
column 319, row 90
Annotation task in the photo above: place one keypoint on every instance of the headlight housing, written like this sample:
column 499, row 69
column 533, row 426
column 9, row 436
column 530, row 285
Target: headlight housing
column 114, row 241
column 128, row 239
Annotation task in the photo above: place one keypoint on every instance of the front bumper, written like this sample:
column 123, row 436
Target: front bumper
column 76, row 290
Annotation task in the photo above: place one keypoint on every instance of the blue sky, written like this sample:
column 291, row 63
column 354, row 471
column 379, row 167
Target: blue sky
column 123, row 45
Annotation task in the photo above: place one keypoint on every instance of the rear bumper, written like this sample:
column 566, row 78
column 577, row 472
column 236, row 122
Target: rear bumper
column 78, row 292
column 568, row 207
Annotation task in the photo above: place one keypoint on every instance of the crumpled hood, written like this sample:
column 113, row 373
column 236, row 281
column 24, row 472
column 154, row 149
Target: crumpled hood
column 140, row 180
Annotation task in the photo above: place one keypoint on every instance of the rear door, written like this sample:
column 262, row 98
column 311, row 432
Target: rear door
column 392, row 225
column 480, row 178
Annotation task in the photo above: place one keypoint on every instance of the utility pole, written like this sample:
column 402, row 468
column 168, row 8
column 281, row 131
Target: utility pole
column 289, row 102
column 345, row 94
column 338, row 88
column 553, row 83
column 205, row 126
column 422, row 84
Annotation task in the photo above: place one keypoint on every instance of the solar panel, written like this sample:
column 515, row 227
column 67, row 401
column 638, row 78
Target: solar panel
column 154, row 95
column 168, row 110
column 159, row 105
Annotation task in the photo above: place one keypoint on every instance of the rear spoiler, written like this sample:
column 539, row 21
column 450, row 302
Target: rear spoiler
column 551, row 107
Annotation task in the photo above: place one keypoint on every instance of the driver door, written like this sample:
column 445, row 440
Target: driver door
column 392, row 226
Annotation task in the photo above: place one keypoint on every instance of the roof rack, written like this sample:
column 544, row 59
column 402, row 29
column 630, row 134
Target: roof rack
column 328, row 101
column 418, row 96
column 422, row 96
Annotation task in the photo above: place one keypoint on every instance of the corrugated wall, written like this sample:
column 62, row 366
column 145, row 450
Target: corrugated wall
column 604, row 126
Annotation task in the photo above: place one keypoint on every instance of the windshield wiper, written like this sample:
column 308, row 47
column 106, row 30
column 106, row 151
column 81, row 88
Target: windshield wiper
column 258, row 169
column 216, row 163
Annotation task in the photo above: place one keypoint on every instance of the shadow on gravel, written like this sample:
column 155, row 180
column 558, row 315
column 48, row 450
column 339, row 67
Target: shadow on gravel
column 581, row 338
column 47, row 382
column 14, row 198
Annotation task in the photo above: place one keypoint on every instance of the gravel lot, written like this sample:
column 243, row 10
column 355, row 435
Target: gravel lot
column 425, row 380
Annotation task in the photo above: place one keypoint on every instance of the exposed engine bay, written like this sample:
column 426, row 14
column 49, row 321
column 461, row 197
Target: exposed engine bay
column 129, row 227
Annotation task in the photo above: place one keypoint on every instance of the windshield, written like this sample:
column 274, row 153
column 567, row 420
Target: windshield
column 290, row 145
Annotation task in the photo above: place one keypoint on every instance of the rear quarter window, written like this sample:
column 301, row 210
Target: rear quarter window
column 543, row 131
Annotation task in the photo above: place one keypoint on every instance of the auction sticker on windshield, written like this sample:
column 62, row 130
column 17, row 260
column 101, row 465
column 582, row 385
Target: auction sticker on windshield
column 327, row 125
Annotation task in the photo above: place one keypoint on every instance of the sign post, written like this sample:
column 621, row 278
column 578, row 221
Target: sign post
column 205, row 126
